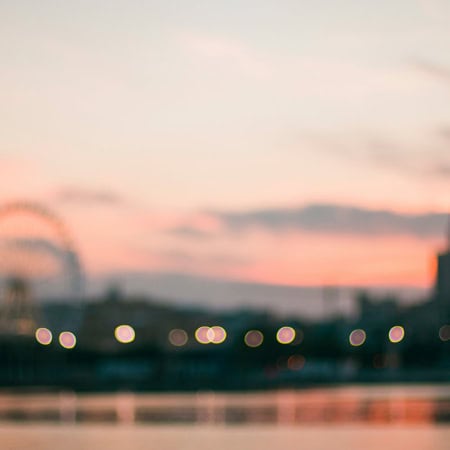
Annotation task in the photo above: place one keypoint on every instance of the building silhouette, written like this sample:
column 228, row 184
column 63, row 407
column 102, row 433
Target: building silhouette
column 442, row 288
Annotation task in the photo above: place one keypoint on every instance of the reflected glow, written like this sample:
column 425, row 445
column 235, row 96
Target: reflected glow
column 396, row 334
column 203, row 335
column 253, row 338
column 67, row 340
column 44, row 336
column 296, row 362
column 125, row 334
column 218, row 335
column 285, row 335
column 357, row 337
column 178, row 337
column 444, row 333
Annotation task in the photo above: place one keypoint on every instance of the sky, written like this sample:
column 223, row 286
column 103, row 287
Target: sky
column 281, row 142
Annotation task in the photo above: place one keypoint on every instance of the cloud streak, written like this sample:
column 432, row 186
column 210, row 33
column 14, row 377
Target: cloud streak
column 388, row 154
column 329, row 218
column 190, row 232
column 88, row 196
column 194, row 259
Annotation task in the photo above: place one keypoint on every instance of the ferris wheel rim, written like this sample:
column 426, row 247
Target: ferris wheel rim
column 59, row 228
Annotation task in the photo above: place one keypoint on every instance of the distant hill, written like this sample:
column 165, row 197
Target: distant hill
column 309, row 301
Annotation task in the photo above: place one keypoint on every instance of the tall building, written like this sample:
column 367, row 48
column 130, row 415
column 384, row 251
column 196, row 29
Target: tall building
column 443, row 279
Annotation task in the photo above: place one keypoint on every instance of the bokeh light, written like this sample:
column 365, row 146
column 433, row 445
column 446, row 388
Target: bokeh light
column 296, row 362
column 444, row 333
column 396, row 334
column 218, row 334
column 253, row 338
column 67, row 339
column 210, row 335
column 285, row 335
column 357, row 337
column 178, row 337
column 44, row 336
column 125, row 334
column 203, row 335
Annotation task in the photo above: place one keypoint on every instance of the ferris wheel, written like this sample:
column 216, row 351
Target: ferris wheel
column 38, row 262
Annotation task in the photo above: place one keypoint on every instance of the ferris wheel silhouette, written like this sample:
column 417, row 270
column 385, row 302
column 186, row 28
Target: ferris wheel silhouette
column 38, row 262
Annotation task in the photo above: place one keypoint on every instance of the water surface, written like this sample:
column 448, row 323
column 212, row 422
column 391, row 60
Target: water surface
column 347, row 418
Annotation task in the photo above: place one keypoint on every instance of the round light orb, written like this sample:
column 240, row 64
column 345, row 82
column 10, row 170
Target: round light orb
column 44, row 336
column 357, row 337
column 296, row 362
column 253, row 338
column 218, row 334
column 444, row 333
column 396, row 334
column 203, row 335
column 285, row 335
column 67, row 340
column 125, row 334
column 178, row 337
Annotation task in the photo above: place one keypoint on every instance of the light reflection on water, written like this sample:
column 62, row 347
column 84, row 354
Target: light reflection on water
column 252, row 437
column 411, row 405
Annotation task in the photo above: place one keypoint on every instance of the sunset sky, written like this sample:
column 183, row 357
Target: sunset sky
column 283, row 142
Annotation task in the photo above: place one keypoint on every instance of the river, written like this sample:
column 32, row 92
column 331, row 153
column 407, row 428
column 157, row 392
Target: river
column 345, row 418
